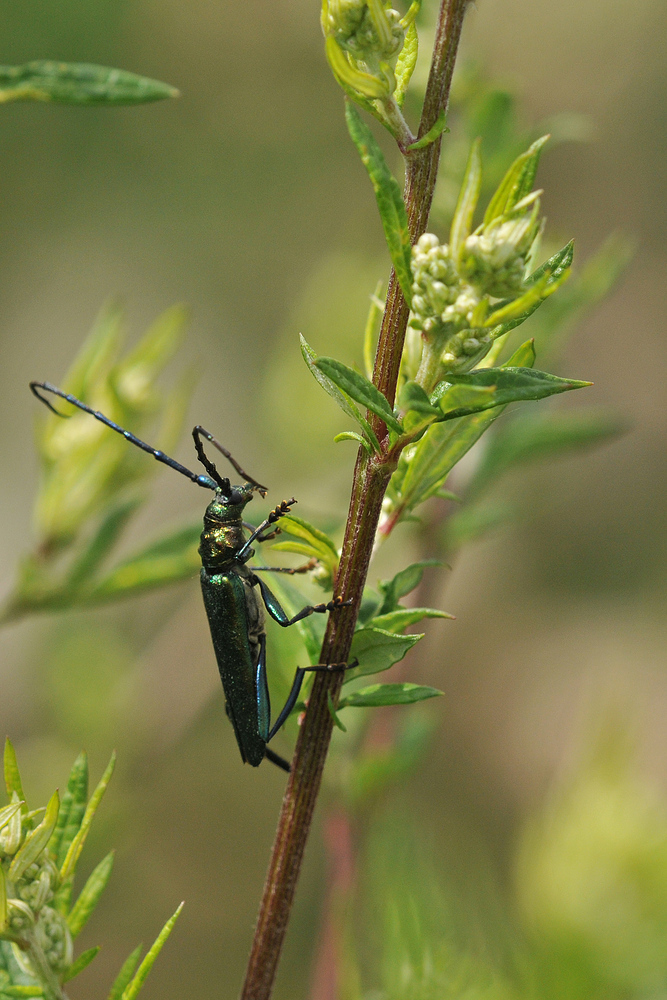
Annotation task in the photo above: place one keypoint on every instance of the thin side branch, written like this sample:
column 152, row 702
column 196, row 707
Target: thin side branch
column 371, row 477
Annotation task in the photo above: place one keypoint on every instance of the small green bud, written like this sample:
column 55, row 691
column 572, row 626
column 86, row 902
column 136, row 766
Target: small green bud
column 20, row 917
column 363, row 41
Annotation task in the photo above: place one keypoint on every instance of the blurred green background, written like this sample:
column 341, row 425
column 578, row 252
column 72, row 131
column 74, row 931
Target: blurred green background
column 245, row 199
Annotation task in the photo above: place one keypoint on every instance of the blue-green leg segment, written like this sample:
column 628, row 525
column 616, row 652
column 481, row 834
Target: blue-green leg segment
column 328, row 668
column 277, row 612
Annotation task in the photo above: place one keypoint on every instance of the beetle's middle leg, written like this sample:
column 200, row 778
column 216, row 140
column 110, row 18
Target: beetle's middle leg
column 278, row 613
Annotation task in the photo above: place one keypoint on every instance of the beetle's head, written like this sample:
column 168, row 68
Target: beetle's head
column 229, row 501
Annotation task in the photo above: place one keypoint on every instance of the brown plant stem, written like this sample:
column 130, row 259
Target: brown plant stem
column 371, row 477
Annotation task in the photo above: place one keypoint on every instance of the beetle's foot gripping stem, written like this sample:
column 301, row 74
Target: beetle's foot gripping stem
column 334, row 604
column 332, row 668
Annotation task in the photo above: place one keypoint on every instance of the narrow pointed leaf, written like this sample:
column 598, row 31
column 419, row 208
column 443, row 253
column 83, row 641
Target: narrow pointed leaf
column 377, row 650
column 102, row 542
column 90, row 895
column 405, row 64
column 132, row 990
column 468, row 197
column 84, row 960
column 395, row 621
column 374, row 313
column 516, row 183
column 413, row 397
column 320, row 543
column 445, row 444
column 70, row 862
column 21, row 991
column 7, row 813
column 343, row 400
column 334, row 715
column 125, row 975
column 3, row 901
column 72, row 809
column 78, row 83
column 377, row 695
column 353, row 436
column 168, row 560
column 36, row 841
column 433, row 133
column 404, row 582
column 388, row 196
column 511, row 384
column 360, row 389
column 13, row 776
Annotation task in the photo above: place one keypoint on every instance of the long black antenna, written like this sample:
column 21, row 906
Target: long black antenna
column 198, row 433
column 158, row 455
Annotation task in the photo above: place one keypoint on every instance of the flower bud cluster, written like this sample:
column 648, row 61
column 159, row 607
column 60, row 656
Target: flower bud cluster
column 452, row 296
column 493, row 259
column 444, row 306
column 31, row 916
column 356, row 29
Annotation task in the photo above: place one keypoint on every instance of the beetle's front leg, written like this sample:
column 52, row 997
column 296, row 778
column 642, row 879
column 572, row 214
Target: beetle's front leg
column 278, row 613
column 278, row 512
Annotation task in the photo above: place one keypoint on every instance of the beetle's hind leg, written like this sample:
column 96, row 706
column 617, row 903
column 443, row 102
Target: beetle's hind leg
column 276, row 759
column 293, row 696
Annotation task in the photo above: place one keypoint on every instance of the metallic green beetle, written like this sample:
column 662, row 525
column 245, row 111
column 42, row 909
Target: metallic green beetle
column 232, row 591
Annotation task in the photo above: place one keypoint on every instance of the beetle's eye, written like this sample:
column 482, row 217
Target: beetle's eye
column 235, row 497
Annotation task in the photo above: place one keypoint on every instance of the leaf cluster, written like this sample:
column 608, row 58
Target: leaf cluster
column 39, row 919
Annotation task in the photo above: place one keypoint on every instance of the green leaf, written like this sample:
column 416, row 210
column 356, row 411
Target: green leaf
column 403, row 583
column 319, row 544
column 72, row 809
column 377, row 650
column 69, row 865
column 516, row 183
column 125, row 975
column 90, row 895
column 413, row 397
column 423, row 473
column 133, row 988
column 21, row 991
column 400, row 618
column 3, row 901
column 542, row 435
column 36, row 841
column 84, row 960
column 169, row 560
column 388, row 196
column 343, row 400
column 375, row 311
column 102, row 542
column 405, row 64
column 360, row 389
column 377, row 695
column 433, row 133
column 508, row 385
column 7, row 813
column 352, row 436
column 334, row 715
column 78, row 83
column 13, row 776
column 468, row 197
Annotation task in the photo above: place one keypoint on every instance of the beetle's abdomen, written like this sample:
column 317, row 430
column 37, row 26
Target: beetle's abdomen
column 226, row 602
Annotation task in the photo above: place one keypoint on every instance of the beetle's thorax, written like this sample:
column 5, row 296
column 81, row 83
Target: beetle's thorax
column 223, row 535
